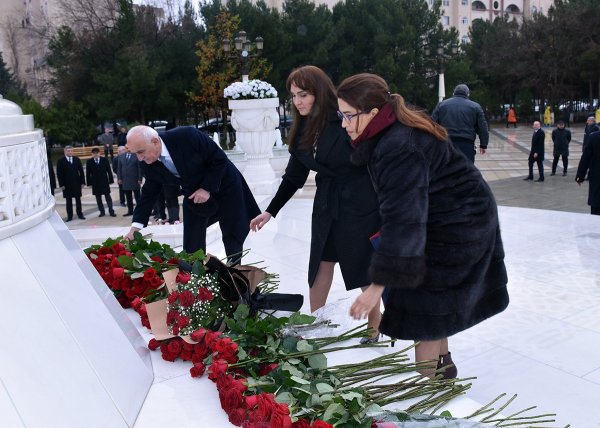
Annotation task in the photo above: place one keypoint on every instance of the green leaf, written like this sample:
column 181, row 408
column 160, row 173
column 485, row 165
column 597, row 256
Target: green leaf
column 294, row 361
column 300, row 319
column 125, row 261
column 349, row 396
column 286, row 397
column 446, row 414
column 333, row 410
column 315, row 400
column 198, row 268
column 241, row 313
column 293, row 371
column 300, row 380
column 318, row 361
column 323, row 388
column 289, row 343
column 136, row 275
column 304, row 346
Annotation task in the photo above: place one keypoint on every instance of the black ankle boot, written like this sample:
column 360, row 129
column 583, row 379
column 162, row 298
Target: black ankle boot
column 445, row 363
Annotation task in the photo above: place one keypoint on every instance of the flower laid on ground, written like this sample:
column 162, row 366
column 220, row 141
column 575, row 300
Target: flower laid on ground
column 251, row 89
column 195, row 304
column 133, row 269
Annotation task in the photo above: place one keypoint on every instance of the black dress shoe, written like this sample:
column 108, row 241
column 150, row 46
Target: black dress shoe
column 101, row 215
column 68, row 219
column 112, row 214
column 81, row 217
column 553, row 173
column 528, row 178
column 539, row 180
column 127, row 214
column 564, row 173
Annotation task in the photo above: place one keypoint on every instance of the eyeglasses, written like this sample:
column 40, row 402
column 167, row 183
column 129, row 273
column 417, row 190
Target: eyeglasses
column 348, row 117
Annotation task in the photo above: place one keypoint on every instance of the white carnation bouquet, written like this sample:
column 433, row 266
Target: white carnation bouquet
column 251, row 89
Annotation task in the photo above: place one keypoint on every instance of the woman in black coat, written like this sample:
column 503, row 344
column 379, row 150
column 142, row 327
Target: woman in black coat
column 440, row 254
column 345, row 210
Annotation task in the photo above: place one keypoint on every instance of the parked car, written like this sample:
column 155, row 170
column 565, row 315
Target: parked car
column 215, row 125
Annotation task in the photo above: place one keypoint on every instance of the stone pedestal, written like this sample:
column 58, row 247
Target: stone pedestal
column 70, row 356
column 255, row 122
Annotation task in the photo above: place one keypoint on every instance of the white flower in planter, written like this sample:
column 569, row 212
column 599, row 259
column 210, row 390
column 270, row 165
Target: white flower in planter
column 252, row 89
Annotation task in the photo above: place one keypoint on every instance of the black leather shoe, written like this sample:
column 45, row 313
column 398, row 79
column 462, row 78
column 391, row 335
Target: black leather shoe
column 68, row 219
column 528, row 178
column 127, row 214
column 553, row 173
column 81, row 217
column 539, row 180
column 101, row 215
column 564, row 173
column 112, row 214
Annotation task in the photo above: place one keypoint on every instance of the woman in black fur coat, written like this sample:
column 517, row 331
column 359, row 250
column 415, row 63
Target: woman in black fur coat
column 440, row 254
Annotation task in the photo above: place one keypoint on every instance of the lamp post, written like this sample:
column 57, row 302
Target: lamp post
column 443, row 54
column 242, row 47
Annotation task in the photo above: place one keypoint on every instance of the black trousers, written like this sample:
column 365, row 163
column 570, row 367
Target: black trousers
column 109, row 203
column 121, row 194
column 540, row 164
column 565, row 161
column 596, row 210
column 168, row 199
column 468, row 149
column 194, row 236
column 129, row 195
column 77, row 206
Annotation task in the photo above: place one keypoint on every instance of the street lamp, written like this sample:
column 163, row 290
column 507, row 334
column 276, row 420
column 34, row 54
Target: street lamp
column 242, row 47
column 443, row 54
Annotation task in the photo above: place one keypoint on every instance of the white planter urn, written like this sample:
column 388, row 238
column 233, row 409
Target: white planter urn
column 255, row 122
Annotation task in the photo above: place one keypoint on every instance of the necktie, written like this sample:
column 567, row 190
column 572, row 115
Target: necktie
column 127, row 156
column 70, row 159
column 170, row 165
column 97, row 161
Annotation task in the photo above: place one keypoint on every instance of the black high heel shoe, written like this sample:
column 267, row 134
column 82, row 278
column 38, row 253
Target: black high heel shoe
column 448, row 369
column 366, row 340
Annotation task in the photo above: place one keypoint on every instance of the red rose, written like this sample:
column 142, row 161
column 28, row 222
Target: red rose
column 146, row 322
column 210, row 337
column 149, row 274
column 183, row 321
column 172, row 317
column 237, row 416
column 153, row 345
column 183, row 277
column 216, row 369
column 265, row 369
column 155, row 282
column 104, row 250
column 173, row 296
column 156, row 259
column 173, row 261
column 205, row 295
column 186, row 298
column 186, row 355
column 117, row 248
column 118, row 272
column 198, row 370
column 320, row 424
column 174, row 347
column 251, row 401
column 230, row 399
column 301, row 423
column 198, row 335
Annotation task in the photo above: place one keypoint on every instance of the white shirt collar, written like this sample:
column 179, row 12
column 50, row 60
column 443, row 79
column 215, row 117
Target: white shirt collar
column 164, row 152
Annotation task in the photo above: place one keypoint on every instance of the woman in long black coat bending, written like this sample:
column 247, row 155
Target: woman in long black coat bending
column 440, row 254
column 345, row 211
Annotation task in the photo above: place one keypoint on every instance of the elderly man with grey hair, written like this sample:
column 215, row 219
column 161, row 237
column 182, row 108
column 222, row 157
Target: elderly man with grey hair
column 464, row 120
column 213, row 188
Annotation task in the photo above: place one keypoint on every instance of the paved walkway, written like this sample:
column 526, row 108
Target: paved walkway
column 504, row 166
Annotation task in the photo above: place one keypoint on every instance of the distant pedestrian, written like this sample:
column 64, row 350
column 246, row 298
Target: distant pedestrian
column 99, row 178
column 561, row 138
column 536, row 155
column 106, row 140
column 548, row 116
column 464, row 120
column 566, row 115
column 71, row 180
column 115, row 166
column 590, row 161
column 511, row 117
column 598, row 114
column 122, row 137
column 590, row 127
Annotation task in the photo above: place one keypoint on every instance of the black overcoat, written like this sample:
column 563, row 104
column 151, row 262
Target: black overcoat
column 440, row 252
column 590, row 159
column 561, row 139
column 537, row 145
column 71, row 176
column 100, row 176
column 201, row 163
column 345, row 208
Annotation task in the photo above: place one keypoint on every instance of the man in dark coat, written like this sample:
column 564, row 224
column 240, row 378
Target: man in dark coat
column 99, row 177
column 115, row 167
column 536, row 155
column 561, row 138
column 590, row 126
column 464, row 120
column 590, row 161
column 129, row 175
column 71, row 180
column 213, row 188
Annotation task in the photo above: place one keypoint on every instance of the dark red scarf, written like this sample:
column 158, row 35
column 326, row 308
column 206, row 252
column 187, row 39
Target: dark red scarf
column 382, row 120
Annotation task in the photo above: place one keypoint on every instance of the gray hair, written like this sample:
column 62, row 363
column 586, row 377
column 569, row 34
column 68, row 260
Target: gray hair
column 67, row 148
column 121, row 149
column 146, row 132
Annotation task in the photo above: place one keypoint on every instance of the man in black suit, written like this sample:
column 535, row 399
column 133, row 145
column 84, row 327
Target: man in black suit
column 71, row 180
column 99, row 177
column 129, row 175
column 115, row 167
column 590, row 163
column 536, row 155
column 213, row 188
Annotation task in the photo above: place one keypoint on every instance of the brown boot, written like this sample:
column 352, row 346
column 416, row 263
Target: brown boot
column 446, row 366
